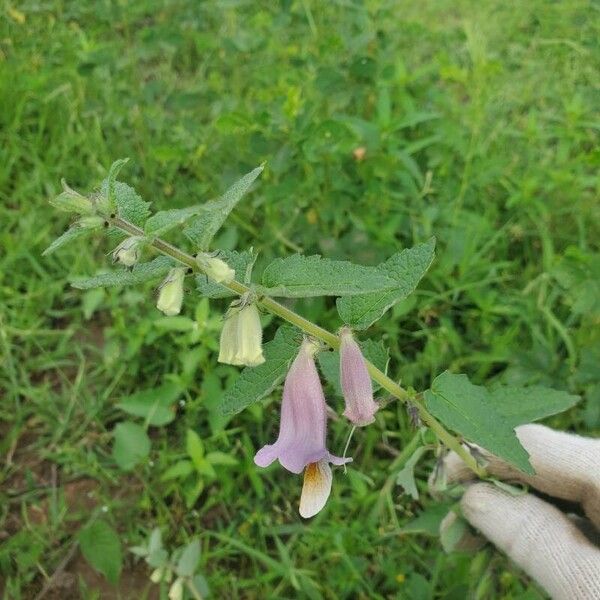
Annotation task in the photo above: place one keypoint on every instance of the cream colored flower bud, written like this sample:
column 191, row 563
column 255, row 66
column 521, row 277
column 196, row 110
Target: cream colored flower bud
column 176, row 590
column 128, row 251
column 157, row 575
column 241, row 337
column 215, row 268
column 170, row 295
column 71, row 201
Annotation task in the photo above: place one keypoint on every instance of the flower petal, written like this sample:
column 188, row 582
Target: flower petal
column 316, row 489
column 266, row 455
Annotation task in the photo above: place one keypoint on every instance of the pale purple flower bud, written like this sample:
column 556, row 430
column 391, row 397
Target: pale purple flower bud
column 356, row 382
column 303, row 425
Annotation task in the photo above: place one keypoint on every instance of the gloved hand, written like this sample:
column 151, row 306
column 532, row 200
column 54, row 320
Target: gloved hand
column 541, row 539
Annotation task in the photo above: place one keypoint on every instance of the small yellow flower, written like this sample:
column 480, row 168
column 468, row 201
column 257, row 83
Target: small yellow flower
column 170, row 295
column 241, row 337
column 215, row 268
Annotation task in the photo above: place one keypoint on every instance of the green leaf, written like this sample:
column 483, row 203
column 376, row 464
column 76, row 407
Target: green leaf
column 155, row 405
column 73, row 233
column 453, row 534
column 238, row 261
column 428, row 522
column 203, row 228
column 175, row 323
column 305, row 276
column 163, row 221
column 255, row 383
column 188, row 561
column 155, row 540
column 406, row 268
column 201, row 585
column 195, row 448
column 155, row 269
column 374, row 352
column 406, row 477
column 131, row 445
column 222, row 459
column 469, row 410
column 101, row 547
column 180, row 470
column 111, row 180
column 527, row 404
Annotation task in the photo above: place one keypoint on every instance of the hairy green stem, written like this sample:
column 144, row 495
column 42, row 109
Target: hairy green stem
column 314, row 330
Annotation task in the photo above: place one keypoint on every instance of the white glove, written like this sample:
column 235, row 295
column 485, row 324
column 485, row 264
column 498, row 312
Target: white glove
column 538, row 537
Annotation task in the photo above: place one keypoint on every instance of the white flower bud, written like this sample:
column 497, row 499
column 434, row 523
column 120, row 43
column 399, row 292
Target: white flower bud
column 241, row 337
column 72, row 201
column 215, row 268
column 128, row 251
column 170, row 295
column 156, row 575
column 176, row 590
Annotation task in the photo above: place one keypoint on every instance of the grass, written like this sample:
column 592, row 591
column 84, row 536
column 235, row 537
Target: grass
column 479, row 125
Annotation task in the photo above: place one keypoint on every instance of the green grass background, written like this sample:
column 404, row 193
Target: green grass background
column 480, row 126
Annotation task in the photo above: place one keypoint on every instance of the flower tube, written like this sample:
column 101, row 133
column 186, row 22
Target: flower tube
column 355, row 382
column 303, row 425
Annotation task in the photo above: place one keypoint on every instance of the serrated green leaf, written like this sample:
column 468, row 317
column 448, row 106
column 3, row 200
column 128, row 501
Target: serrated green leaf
column 163, row 221
column 255, row 383
column 131, row 445
column 406, row 268
column 469, row 410
column 73, row 233
column 188, row 561
column 101, row 547
column 129, row 204
column 203, row 228
column 304, row 276
column 139, row 274
column 528, row 404
column 374, row 352
column 111, row 181
column 155, row 405
column 406, row 477
column 238, row 261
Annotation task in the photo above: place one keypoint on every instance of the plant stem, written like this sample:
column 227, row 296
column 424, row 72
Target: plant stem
column 314, row 330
